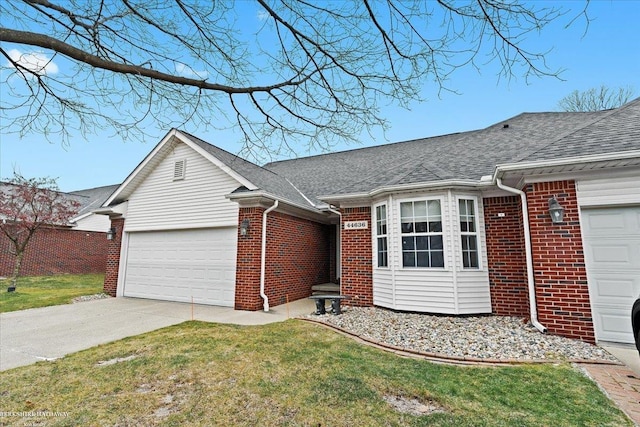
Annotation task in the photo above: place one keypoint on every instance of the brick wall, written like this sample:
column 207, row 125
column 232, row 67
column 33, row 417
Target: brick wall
column 506, row 256
column 298, row 257
column 357, row 259
column 113, row 258
column 559, row 267
column 57, row 251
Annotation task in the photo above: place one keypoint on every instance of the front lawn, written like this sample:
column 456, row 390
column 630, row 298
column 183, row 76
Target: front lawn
column 43, row 291
column 288, row 374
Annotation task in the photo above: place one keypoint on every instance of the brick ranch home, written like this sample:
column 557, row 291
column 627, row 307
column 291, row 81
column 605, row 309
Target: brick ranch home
column 78, row 247
column 455, row 224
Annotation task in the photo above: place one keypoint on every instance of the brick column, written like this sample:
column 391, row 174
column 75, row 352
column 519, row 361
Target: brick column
column 562, row 290
column 248, row 261
column 357, row 258
column 506, row 256
column 113, row 258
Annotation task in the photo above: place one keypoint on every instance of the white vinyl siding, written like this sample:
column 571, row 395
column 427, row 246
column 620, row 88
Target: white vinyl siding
column 93, row 222
column 448, row 290
column 198, row 200
column 609, row 191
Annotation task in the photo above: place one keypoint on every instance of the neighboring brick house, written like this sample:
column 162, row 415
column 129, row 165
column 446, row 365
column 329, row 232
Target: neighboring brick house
column 455, row 224
column 78, row 248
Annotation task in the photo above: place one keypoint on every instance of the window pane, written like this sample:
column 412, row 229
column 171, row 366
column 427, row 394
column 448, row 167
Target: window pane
column 435, row 226
column 423, row 259
column 408, row 243
column 473, row 259
column 420, row 209
column 422, row 243
column 435, row 242
column 407, row 227
column 465, row 243
column 437, row 259
column 472, row 243
column 434, row 208
column 421, row 227
column 463, row 207
column 409, row 259
column 406, row 210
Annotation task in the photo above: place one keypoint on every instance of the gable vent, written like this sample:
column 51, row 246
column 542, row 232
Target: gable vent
column 179, row 168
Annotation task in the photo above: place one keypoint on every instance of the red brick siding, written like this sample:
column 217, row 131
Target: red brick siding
column 357, row 259
column 506, row 256
column 298, row 257
column 57, row 251
column 559, row 267
column 113, row 258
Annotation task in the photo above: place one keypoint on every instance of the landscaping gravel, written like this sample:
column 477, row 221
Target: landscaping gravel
column 478, row 337
column 84, row 298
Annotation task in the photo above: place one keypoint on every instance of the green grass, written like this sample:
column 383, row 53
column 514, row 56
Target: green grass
column 288, row 374
column 43, row 291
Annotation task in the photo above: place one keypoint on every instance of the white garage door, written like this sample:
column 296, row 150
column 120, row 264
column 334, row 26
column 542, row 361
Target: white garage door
column 184, row 264
column 612, row 252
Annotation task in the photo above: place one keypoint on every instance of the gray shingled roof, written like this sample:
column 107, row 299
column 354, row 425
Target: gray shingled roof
column 463, row 156
column 92, row 198
column 460, row 156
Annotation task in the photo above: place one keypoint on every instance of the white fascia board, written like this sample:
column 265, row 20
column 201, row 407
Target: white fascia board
column 406, row 187
column 224, row 167
column 143, row 164
column 500, row 170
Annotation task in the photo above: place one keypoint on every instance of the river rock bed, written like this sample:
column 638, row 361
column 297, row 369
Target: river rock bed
column 478, row 337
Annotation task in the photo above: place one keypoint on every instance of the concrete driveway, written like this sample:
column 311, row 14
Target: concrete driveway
column 49, row 333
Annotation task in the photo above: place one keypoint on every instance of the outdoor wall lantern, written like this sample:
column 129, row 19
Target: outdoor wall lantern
column 111, row 234
column 555, row 211
column 244, row 227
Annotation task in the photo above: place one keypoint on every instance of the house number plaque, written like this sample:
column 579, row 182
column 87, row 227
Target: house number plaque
column 356, row 225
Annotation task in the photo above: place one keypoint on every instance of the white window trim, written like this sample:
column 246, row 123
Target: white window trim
column 375, row 236
column 446, row 232
column 476, row 233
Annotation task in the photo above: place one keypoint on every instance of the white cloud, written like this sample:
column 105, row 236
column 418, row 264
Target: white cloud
column 37, row 62
column 186, row 71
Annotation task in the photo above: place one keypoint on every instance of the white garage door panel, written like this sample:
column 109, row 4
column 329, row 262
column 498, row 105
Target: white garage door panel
column 612, row 253
column 180, row 265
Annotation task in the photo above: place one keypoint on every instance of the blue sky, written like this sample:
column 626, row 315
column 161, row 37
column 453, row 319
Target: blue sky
column 608, row 54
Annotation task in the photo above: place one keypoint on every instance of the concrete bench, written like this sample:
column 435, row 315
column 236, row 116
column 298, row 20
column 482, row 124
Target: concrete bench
column 320, row 303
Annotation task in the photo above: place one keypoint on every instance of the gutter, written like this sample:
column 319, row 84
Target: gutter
column 263, row 258
column 527, row 243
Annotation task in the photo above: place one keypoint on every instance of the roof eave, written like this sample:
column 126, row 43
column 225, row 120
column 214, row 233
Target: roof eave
column 597, row 161
column 400, row 188
column 263, row 198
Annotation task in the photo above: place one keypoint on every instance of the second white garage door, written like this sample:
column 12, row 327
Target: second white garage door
column 181, row 265
column 612, row 252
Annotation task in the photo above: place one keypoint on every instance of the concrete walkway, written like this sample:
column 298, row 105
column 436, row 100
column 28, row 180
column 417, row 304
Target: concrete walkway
column 49, row 333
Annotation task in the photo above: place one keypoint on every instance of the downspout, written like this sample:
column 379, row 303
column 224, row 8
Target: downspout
column 339, row 242
column 263, row 258
column 527, row 242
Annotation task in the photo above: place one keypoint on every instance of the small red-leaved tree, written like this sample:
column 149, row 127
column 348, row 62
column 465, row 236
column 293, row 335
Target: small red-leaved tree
column 27, row 205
